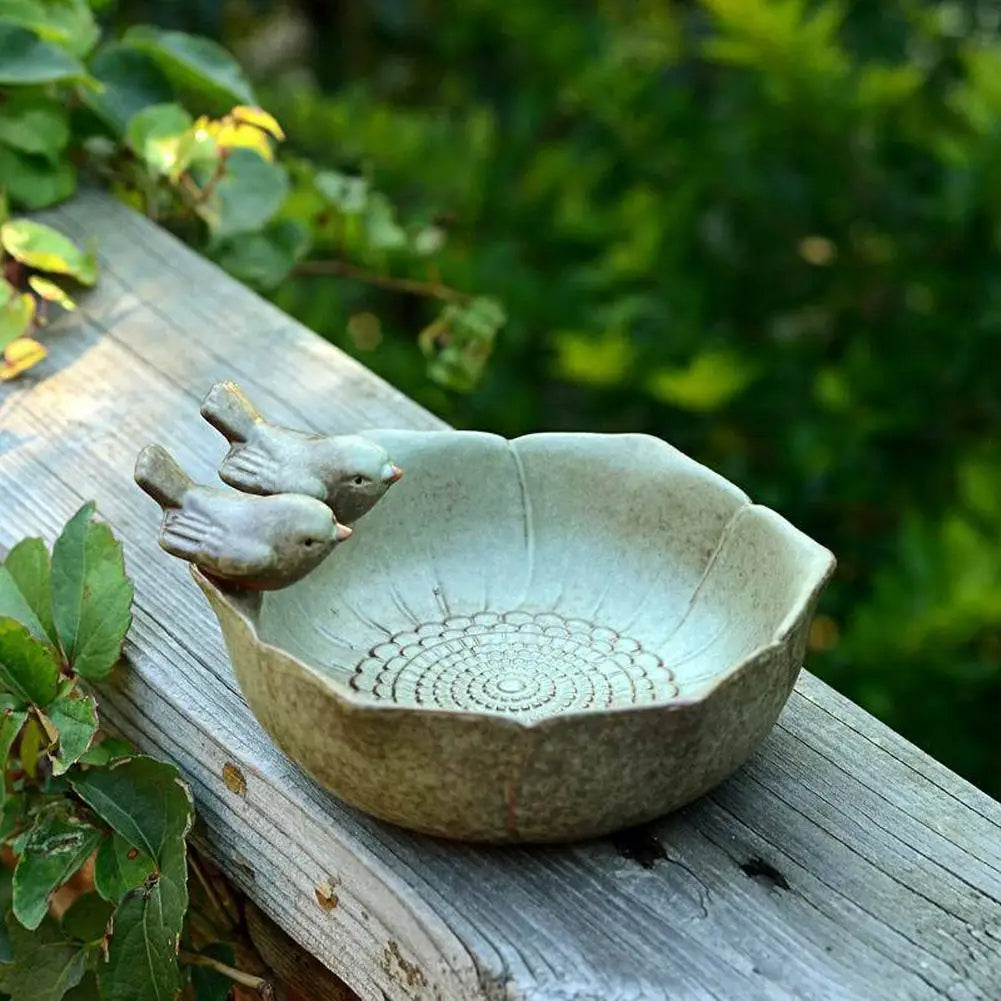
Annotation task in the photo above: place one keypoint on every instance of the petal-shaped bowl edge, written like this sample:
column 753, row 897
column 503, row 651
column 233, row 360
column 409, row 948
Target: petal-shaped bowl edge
column 485, row 777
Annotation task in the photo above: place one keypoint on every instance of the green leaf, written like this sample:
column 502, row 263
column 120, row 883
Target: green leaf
column 131, row 80
column 208, row 984
column 142, row 956
column 28, row 667
column 108, row 750
column 711, row 380
column 45, row 964
column 604, row 360
column 458, row 344
column 74, row 715
column 194, row 63
column 56, row 847
column 142, row 799
column 86, row 990
column 264, row 259
column 32, row 182
column 87, row 918
column 32, row 747
column 155, row 135
column 34, row 124
column 145, row 802
column 348, row 194
column 42, row 247
column 13, row 713
column 120, row 868
column 91, row 596
column 26, row 59
column 50, row 292
column 29, row 568
column 16, row 317
column 14, row 605
column 249, row 193
column 68, row 23
column 381, row 228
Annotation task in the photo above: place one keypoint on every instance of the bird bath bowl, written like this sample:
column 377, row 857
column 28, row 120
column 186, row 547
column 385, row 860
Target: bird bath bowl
column 533, row 640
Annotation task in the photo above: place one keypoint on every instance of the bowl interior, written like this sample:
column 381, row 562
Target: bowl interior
column 551, row 574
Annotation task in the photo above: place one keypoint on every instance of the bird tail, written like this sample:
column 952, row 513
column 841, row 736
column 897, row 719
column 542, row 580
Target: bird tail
column 159, row 475
column 228, row 410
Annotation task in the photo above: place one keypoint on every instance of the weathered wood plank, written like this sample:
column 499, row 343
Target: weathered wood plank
column 841, row 862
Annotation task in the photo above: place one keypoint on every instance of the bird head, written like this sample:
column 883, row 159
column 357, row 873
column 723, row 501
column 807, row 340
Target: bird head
column 308, row 532
column 364, row 472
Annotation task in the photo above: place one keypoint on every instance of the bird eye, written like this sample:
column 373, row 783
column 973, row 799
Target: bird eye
column 359, row 481
column 308, row 542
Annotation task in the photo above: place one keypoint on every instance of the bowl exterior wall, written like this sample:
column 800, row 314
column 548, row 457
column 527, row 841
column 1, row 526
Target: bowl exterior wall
column 490, row 779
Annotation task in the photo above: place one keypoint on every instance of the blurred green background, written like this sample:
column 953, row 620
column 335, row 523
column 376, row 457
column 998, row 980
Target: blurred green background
column 768, row 231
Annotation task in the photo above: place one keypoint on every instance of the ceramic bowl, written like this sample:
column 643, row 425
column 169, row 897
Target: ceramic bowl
column 533, row 640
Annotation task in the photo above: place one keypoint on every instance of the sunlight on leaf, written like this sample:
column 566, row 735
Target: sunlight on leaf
column 259, row 117
column 51, row 292
column 156, row 135
column 597, row 361
column 711, row 380
column 230, row 134
column 19, row 356
column 40, row 246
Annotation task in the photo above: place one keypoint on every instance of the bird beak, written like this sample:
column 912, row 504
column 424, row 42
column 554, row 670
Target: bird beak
column 394, row 475
column 342, row 532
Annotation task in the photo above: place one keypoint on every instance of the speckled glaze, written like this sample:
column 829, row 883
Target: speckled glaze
column 537, row 640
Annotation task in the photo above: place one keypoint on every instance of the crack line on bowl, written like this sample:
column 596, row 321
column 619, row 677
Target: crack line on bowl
column 528, row 522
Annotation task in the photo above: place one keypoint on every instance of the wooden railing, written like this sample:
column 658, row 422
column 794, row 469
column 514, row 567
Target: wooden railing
column 839, row 863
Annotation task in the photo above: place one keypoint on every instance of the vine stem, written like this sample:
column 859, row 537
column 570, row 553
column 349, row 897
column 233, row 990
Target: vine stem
column 259, row 984
column 412, row 286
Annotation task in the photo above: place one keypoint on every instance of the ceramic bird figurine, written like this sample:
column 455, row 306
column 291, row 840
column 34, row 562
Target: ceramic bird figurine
column 261, row 543
column 348, row 472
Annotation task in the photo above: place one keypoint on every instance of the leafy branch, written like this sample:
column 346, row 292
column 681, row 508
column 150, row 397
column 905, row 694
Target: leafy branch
column 147, row 121
column 82, row 810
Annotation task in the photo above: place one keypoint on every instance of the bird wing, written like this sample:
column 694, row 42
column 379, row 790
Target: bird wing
column 190, row 533
column 204, row 532
column 271, row 464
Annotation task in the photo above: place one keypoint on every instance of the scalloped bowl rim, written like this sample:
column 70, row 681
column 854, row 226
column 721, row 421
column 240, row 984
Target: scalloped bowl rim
column 244, row 606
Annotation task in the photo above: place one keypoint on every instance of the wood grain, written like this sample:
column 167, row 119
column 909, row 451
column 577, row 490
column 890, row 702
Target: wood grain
column 839, row 863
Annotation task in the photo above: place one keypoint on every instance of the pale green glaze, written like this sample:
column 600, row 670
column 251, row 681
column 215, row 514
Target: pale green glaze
column 537, row 640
